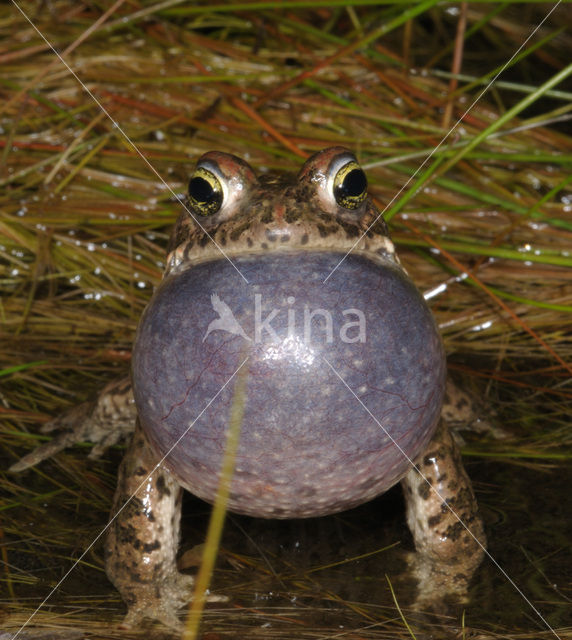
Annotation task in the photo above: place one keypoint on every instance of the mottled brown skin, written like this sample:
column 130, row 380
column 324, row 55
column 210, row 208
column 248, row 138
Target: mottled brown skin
column 442, row 514
column 265, row 214
column 141, row 549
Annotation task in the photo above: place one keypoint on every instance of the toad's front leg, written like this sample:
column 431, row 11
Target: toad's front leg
column 443, row 516
column 143, row 539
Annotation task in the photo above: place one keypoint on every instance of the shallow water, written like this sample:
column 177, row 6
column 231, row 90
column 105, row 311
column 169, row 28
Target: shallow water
column 291, row 578
column 527, row 513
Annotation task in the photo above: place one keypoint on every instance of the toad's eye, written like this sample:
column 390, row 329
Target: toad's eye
column 350, row 186
column 205, row 192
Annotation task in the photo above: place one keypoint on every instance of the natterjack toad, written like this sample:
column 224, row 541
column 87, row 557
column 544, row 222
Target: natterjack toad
column 345, row 379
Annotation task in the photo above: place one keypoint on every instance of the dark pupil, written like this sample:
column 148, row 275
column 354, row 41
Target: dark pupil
column 201, row 190
column 354, row 184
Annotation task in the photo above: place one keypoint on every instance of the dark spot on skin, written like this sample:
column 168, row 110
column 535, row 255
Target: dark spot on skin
column 140, row 471
column 127, row 535
column 351, row 229
column 148, row 547
column 249, row 242
column 263, row 245
column 267, row 217
column 270, row 235
column 379, row 228
column 424, row 490
column 453, row 486
column 442, row 478
column 132, row 508
column 455, row 531
column 462, row 499
column 179, row 234
column 293, row 213
column 162, row 488
column 238, row 231
column 284, row 239
column 204, row 240
column 304, row 239
column 134, row 577
column 434, row 520
column 323, row 230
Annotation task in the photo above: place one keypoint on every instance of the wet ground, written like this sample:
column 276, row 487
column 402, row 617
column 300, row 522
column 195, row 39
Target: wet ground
column 526, row 512
column 330, row 577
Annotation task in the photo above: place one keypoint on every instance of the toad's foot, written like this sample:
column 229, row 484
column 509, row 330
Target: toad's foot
column 160, row 602
column 440, row 587
column 106, row 420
